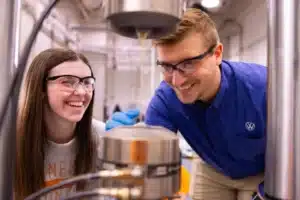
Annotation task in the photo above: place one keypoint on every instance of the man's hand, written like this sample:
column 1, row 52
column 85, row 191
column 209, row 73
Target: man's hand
column 122, row 118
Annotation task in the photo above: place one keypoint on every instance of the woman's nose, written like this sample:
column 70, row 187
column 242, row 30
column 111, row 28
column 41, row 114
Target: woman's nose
column 80, row 89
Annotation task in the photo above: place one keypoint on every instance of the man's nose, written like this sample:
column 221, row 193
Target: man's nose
column 177, row 78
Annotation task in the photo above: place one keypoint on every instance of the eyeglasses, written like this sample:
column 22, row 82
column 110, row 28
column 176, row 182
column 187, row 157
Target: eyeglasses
column 71, row 82
column 186, row 66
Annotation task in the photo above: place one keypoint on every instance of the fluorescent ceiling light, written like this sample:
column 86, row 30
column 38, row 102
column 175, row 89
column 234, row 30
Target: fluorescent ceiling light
column 210, row 3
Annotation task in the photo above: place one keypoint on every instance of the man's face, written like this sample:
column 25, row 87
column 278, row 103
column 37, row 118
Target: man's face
column 198, row 68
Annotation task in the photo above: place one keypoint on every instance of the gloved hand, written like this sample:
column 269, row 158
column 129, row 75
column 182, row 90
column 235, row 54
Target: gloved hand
column 122, row 118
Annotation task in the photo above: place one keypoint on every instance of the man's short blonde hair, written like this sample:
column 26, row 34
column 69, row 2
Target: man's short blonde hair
column 192, row 20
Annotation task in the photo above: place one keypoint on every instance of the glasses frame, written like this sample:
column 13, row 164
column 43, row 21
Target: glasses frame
column 173, row 67
column 81, row 79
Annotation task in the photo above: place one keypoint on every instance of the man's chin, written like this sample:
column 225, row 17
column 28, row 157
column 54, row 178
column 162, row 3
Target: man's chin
column 186, row 100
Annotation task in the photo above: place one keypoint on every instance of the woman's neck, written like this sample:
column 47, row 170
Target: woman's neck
column 58, row 129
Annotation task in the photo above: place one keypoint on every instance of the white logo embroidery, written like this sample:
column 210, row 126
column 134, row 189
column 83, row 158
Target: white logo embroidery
column 250, row 126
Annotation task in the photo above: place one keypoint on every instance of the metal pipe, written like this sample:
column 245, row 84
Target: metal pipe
column 16, row 33
column 82, row 9
column 92, row 5
column 11, row 12
column 280, row 111
column 9, row 109
column 100, row 26
column 296, row 171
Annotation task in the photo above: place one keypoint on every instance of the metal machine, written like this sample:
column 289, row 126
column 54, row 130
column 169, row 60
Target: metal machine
column 155, row 149
column 158, row 18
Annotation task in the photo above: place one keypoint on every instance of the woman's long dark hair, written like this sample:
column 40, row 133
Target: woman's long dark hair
column 31, row 131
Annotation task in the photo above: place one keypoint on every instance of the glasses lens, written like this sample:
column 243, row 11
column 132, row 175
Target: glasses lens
column 186, row 67
column 89, row 83
column 165, row 68
column 68, row 81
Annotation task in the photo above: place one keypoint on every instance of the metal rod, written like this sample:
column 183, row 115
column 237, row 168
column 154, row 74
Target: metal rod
column 16, row 34
column 10, row 28
column 9, row 108
column 281, row 95
column 296, row 172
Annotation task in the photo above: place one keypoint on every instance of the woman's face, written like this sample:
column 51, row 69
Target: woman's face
column 70, row 88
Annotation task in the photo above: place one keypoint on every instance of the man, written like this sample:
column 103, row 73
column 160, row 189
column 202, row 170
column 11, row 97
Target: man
column 218, row 106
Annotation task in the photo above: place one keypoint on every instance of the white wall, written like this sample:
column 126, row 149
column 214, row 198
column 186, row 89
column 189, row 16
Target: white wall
column 132, row 88
column 131, row 84
column 93, row 45
column 253, row 39
column 44, row 40
column 98, row 63
column 4, row 35
column 129, row 88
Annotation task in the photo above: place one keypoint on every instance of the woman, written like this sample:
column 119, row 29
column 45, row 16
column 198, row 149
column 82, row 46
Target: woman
column 56, row 138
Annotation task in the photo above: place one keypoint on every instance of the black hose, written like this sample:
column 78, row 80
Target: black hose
column 80, row 178
column 46, row 190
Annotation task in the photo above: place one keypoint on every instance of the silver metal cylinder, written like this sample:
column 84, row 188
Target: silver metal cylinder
column 296, row 176
column 156, row 17
column 281, row 86
column 10, row 12
column 153, row 148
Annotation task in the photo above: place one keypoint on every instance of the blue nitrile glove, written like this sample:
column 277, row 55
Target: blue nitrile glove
column 122, row 118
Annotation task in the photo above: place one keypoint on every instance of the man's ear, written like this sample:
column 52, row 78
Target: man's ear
column 218, row 53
